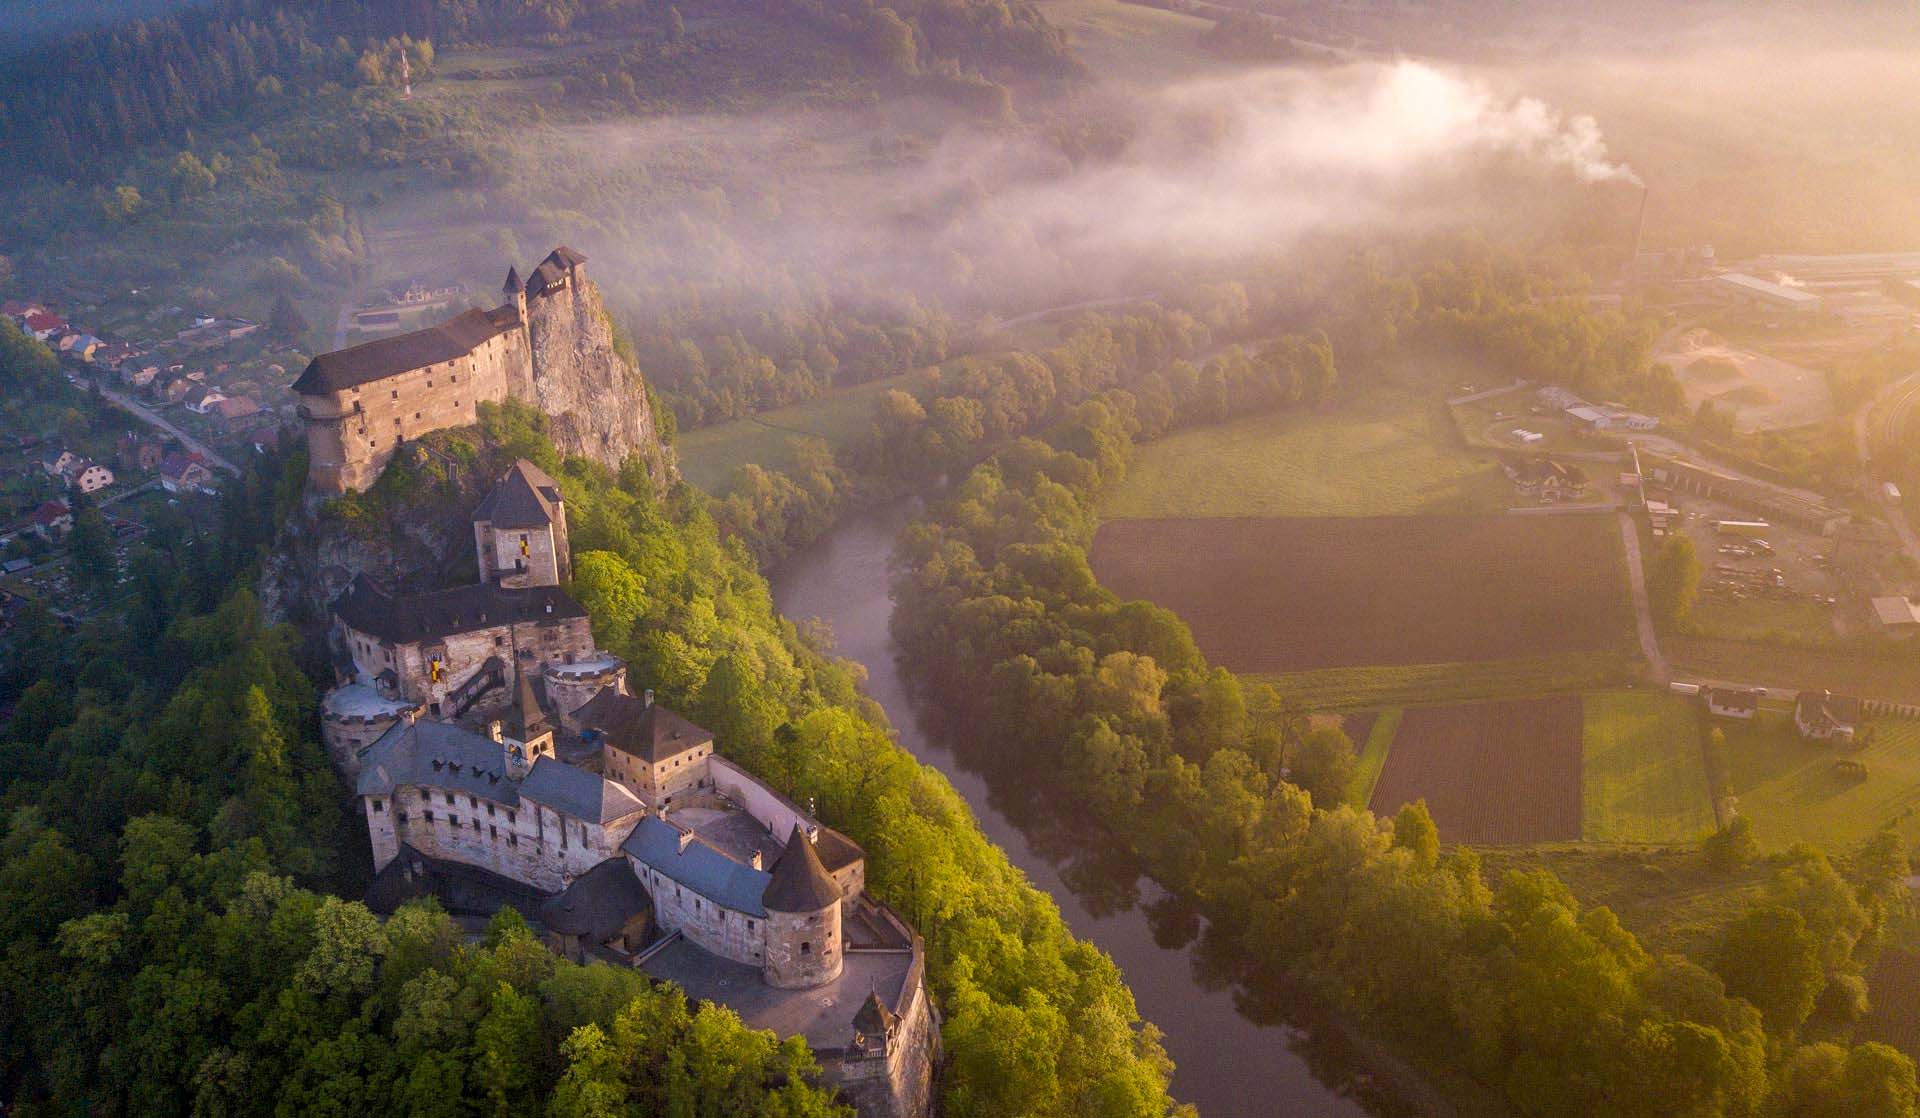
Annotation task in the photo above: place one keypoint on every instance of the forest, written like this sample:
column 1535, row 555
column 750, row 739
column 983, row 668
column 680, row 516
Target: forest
column 177, row 851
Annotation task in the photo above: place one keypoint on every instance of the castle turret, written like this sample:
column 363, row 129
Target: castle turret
column 516, row 292
column 804, row 944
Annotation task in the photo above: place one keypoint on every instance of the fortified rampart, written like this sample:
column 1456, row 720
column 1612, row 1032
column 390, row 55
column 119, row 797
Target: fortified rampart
column 549, row 345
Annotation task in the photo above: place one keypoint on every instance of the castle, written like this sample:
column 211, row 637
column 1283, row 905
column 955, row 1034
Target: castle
column 499, row 759
column 548, row 344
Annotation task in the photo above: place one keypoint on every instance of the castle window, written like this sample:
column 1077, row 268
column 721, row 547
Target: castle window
column 509, row 817
column 454, row 820
column 513, row 839
column 426, row 797
column 489, row 811
column 449, row 796
column 473, row 803
column 749, row 925
column 428, row 815
column 377, row 807
column 400, row 816
column 429, row 382
column 493, row 832
column 396, row 421
column 416, row 415
column 396, row 393
column 454, row 379
column 476, row 824
column 806, row 947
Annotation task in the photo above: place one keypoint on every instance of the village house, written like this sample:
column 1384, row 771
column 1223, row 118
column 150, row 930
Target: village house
column 231, row 413
column 136, row 375
column 51, row 520
column 57, row 463
column 139, row 453
column 89, row 476
column 1825, row 716
column 1732, row 702
column 1544, row 478
column 201, row 398
column 185, row 473
column 43, row 324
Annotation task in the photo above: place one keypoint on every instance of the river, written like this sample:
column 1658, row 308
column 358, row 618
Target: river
column 1227, row 1064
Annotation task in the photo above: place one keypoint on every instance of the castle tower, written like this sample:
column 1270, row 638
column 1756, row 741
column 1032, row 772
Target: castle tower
column 804, row 944
column 516, row 292
column 520, row 530
column 525, row 733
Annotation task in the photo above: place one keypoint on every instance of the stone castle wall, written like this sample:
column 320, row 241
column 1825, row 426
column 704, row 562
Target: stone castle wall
column 367, row 423
column 726, row 932
column 529, row 645
column 530, row 843
column 500, row 559
column 559, row 358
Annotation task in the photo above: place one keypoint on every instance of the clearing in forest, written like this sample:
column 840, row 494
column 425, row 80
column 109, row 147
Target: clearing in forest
column 1496, row 773
column 1644, row 775
column 1274, row 596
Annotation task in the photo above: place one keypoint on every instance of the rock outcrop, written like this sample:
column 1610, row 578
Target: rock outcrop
column 597, row 403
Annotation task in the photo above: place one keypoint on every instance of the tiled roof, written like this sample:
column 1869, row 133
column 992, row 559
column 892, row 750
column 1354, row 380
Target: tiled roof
column 406, row 618
column 599, row 903
column 577, row 792
column 800, row 883
column 440, row 755
column 525, row 498
column 639, row 728
column 699, row 867
column 385, row 357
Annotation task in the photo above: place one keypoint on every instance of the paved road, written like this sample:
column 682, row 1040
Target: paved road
column 145, row 415
column 1642, row 608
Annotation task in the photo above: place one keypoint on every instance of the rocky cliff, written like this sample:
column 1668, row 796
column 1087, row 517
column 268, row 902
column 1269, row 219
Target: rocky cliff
column 597, row 403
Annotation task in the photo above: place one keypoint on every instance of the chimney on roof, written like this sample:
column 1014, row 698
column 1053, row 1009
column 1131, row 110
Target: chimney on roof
column 647, row 697
column 757, row 861
column 686, row 837
column 813, row 833
column 495, row 730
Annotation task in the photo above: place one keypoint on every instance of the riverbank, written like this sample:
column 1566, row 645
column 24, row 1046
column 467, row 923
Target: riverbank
column 1285, row 1059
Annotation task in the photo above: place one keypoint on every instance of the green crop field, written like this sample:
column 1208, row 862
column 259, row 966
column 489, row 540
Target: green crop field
column 709, row 455
column 1643, row 776
column 1357, row 688
column 1381, row 455
column 1775, row 620
column 1792, row 790
column 1373, row 755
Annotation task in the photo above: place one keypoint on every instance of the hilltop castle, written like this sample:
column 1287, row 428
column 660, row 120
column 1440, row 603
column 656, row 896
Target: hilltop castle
column 549, row 344
column 499, row 759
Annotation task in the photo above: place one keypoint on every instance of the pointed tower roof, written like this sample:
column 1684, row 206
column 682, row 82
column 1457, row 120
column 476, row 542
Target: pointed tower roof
column 526, row 497
column 800, row 883
column 512, row 286
column 875, row 1019
column 529, row 718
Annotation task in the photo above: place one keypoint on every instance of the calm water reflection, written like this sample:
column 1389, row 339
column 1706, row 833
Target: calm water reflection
column 1234, row 1053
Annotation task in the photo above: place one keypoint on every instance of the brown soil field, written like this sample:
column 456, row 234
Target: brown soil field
column 1269, row 596
column 1497, row 773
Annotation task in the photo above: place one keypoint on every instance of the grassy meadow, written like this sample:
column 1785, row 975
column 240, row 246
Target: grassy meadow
column 1384, row 454
column 1793, row 792
column 1372, row 686
column 1643, row 776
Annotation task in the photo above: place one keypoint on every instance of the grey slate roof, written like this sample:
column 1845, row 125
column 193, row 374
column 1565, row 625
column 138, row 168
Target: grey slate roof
column 406, row 618
column 577, row 792
column 525, row 498
column 642, row 729
column 385, row 357
column 529, row 719
column 552, row 271
column 699, row 867
column 599, row 903
column 799, row 882
column 437, row 754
